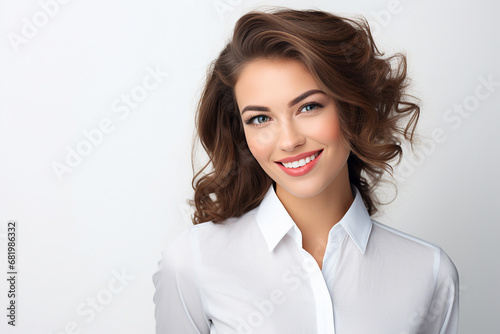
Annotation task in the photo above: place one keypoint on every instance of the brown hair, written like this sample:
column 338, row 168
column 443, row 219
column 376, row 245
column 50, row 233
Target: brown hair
column 342, row 57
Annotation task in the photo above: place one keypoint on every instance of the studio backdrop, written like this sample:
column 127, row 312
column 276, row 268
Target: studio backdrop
column 97, row 104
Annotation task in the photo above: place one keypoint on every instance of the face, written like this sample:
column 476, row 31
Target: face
column 291, row 126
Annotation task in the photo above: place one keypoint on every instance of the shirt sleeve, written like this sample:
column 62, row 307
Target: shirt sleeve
column 178, row 300
column 442, row 315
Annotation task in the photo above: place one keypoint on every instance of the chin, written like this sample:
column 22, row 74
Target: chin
column 303, row 190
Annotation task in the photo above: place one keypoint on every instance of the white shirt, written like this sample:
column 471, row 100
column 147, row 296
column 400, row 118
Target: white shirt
column 250, row 274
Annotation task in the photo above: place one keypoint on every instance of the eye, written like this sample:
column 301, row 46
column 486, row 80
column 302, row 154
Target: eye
column 258, row 119
column 310, row 107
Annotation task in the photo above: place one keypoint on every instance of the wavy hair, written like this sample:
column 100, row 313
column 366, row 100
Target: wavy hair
column 341, row 55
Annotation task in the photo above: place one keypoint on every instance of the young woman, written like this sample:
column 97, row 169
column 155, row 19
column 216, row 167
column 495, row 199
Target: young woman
column 300, row 117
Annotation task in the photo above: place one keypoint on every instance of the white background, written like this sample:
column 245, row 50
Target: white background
column 125, row 201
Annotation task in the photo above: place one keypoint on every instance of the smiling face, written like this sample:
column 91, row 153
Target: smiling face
column 291, row 127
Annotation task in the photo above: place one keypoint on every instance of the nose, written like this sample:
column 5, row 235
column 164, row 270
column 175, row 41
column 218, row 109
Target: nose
column 290, row 137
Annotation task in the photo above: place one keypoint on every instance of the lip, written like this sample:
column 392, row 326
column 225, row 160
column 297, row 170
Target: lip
column 298, row 156
column 300, row 170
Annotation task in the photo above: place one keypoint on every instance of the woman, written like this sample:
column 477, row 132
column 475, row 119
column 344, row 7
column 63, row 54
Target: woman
column 300, row 117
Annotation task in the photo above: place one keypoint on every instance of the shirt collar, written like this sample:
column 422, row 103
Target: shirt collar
column 274, row 221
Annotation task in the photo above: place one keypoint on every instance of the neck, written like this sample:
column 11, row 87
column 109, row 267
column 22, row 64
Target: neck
column 316, row 215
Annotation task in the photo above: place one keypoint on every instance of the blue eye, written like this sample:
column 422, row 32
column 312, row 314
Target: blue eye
column 258, row 119
column 311, row 106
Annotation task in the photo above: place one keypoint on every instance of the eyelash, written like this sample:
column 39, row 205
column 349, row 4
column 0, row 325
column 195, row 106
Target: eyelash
column 249, row 120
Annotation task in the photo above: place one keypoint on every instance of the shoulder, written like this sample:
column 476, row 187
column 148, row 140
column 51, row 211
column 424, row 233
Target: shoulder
column 179, row 299
column 176, row 257
column 193, row 242
column 178, row 263
column 419, row 252
column 229, row 235
column 388, row 236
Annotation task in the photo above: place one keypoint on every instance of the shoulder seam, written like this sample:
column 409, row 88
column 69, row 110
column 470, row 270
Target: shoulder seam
column 406, row 235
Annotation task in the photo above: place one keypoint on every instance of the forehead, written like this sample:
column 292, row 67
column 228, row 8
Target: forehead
column 271, row 80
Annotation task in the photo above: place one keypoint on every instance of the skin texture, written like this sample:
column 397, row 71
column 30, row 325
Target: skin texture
column 317, row 200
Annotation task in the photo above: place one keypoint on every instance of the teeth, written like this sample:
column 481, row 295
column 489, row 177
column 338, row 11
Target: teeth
column 301, row 162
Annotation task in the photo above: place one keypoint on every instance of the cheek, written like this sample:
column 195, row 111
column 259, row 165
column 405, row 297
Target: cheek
column 328, row 130
column 260, row 142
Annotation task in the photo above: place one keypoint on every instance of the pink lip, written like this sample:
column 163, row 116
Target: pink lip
column 298, row 156
column 300, row 170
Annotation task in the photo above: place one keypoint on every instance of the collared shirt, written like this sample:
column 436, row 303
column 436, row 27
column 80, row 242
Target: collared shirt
column 250, row 274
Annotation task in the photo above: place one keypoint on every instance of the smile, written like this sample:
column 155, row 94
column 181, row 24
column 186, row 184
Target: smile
column 301, row 162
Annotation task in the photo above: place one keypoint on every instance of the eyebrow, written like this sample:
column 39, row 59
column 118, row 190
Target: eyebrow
column 290, row 104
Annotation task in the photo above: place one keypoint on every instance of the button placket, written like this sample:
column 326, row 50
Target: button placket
column 324, row 308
